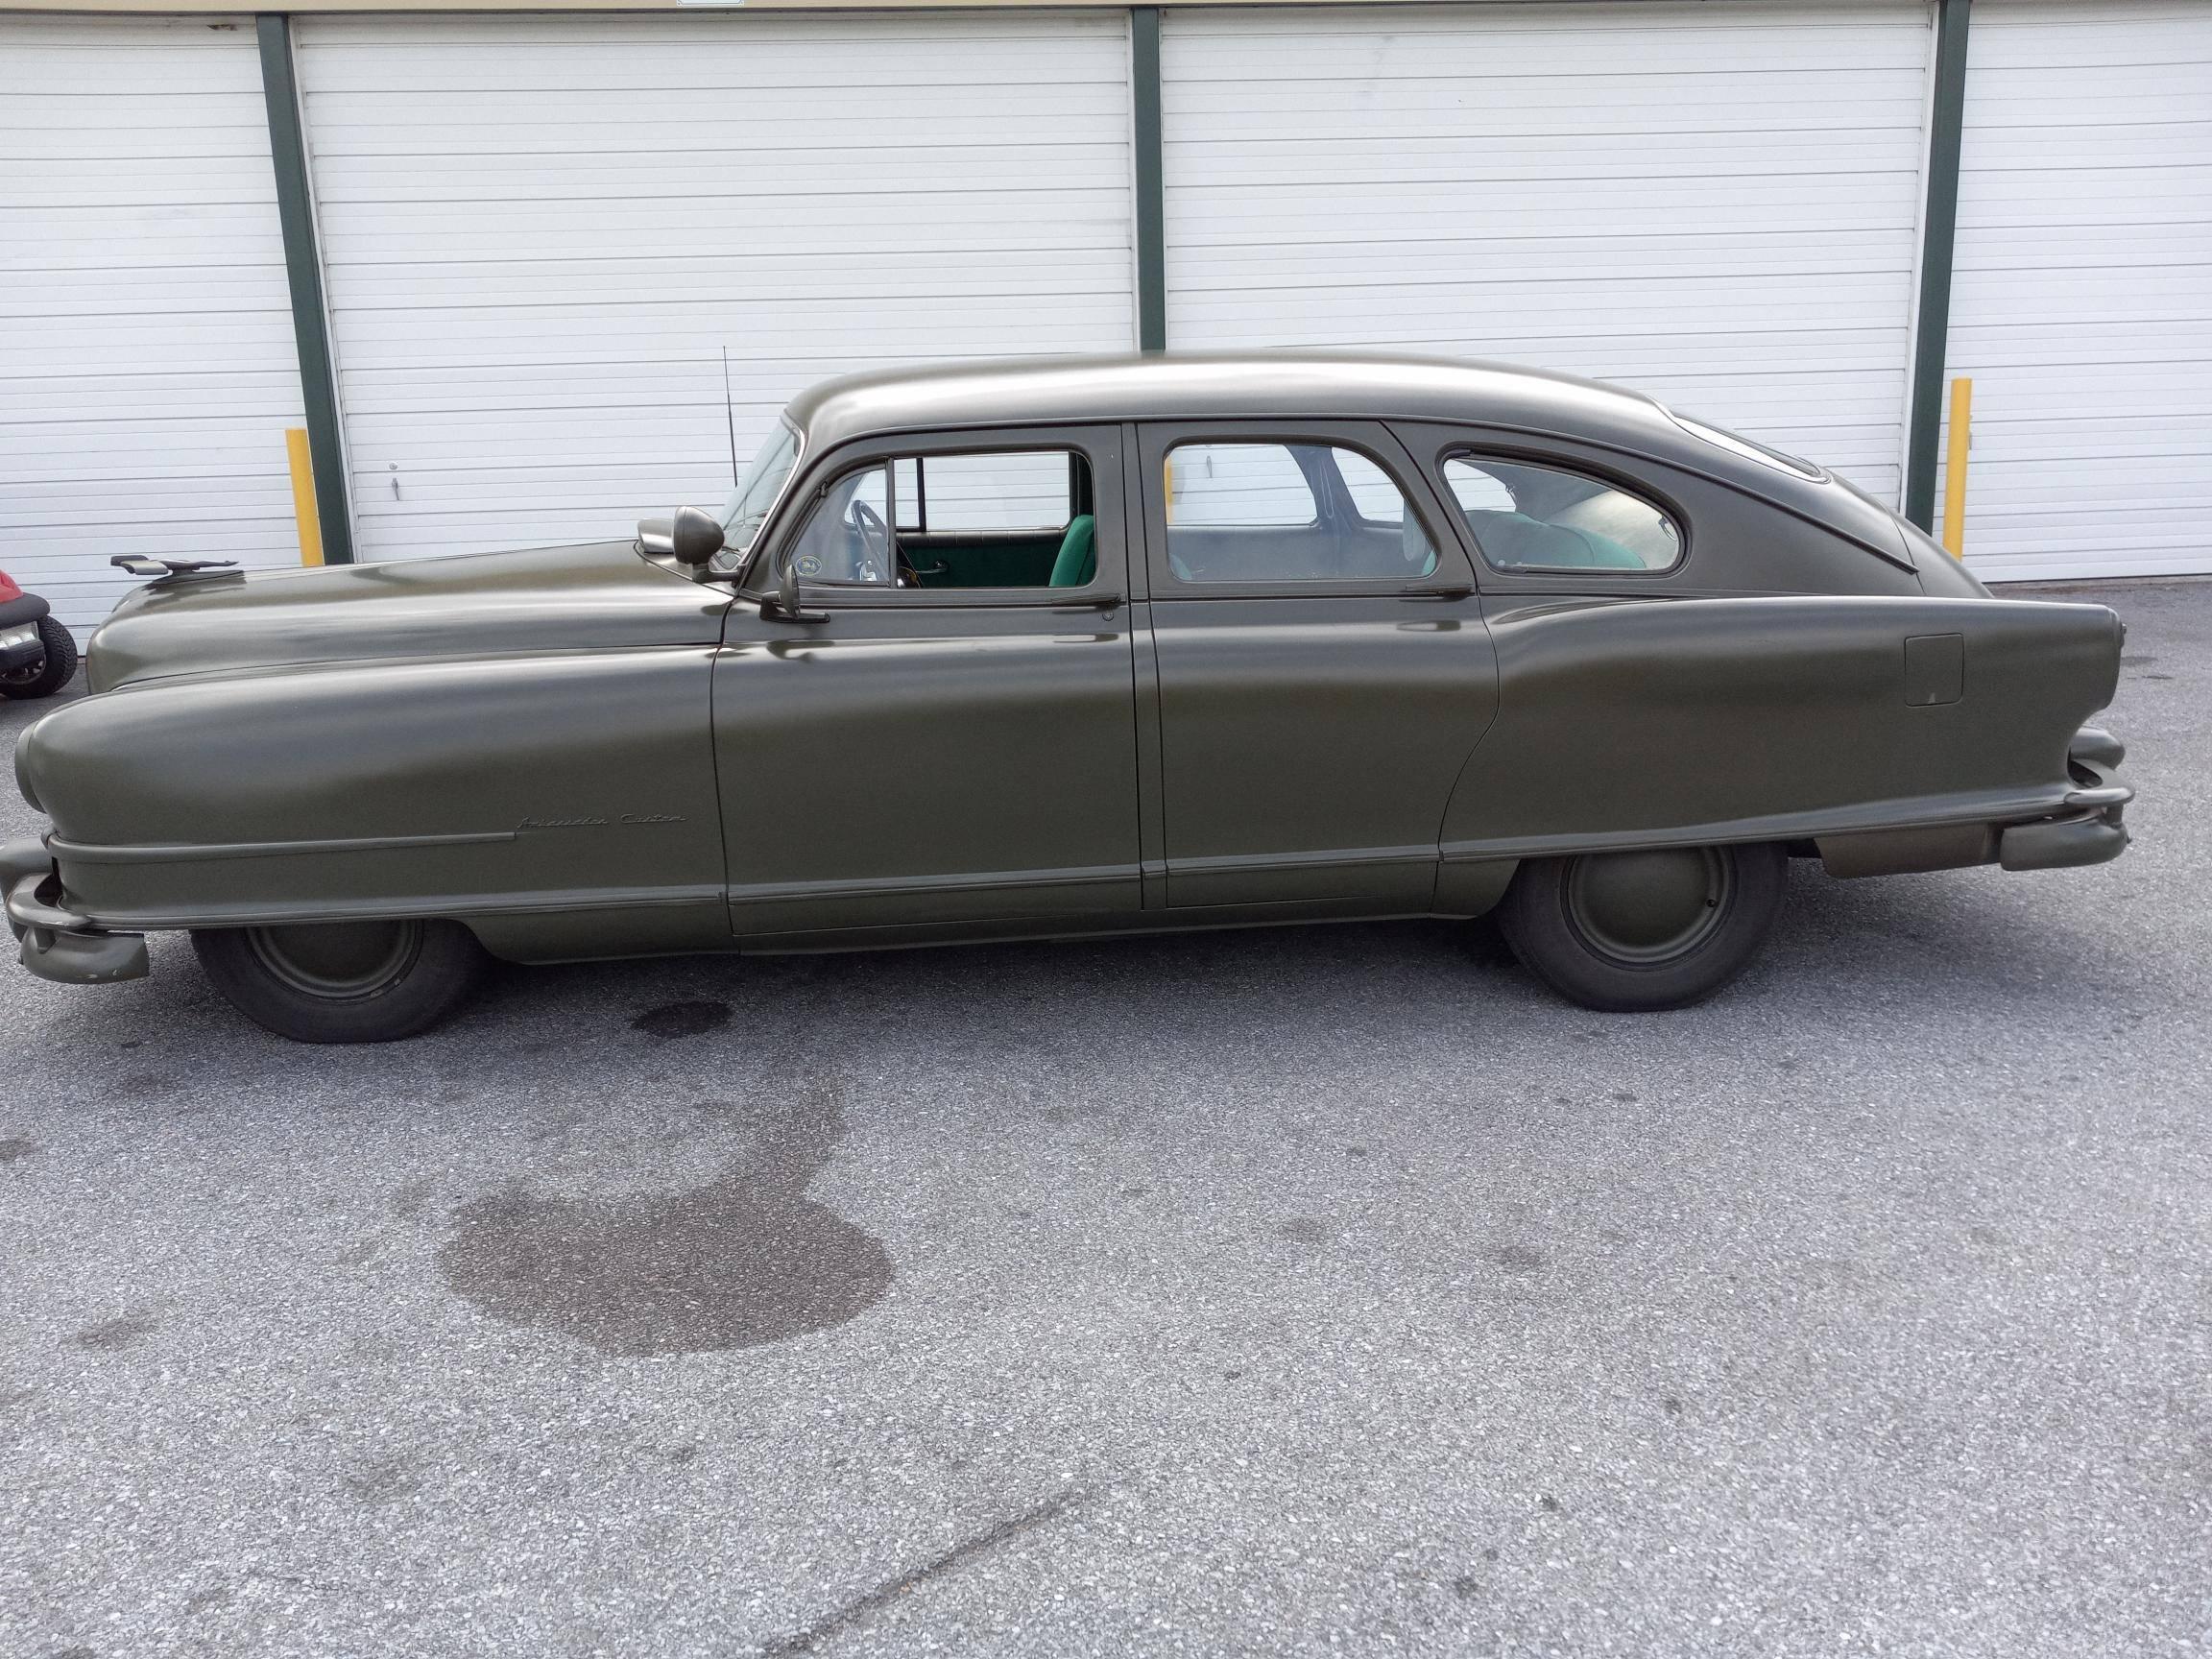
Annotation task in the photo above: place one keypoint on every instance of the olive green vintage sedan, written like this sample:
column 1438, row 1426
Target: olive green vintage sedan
column 1076, row 647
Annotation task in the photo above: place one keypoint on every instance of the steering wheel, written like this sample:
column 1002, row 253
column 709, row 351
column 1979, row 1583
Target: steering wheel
column 874, row 536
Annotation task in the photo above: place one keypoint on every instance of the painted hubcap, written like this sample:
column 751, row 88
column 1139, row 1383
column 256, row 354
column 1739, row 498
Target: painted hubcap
column 1647, row 908
column 338, row 959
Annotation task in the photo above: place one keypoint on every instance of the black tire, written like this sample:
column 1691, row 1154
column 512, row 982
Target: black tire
column 1629, row 932
column 343, row 982
column 50, row 675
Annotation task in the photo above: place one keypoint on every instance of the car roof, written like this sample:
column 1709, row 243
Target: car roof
column 1258, row 385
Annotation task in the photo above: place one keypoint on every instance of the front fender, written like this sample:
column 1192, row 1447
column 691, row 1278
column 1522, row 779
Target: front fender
column 523, row 783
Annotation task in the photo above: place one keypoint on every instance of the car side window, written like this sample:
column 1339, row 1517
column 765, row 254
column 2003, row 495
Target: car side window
column 846, row 538
column 1528, row 517
column 1015, row 518
column 1266, row 513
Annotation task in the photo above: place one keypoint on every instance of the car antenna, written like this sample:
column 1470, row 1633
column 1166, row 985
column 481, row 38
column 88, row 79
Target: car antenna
column 729, row 415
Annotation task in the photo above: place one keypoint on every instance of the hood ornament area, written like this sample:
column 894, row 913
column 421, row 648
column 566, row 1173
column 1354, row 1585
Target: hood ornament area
column 165, row 572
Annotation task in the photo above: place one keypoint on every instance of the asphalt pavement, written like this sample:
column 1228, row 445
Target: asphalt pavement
column 1322, row 1291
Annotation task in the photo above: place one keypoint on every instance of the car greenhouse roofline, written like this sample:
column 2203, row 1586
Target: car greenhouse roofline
column 1249, row 385
column 1300, row 386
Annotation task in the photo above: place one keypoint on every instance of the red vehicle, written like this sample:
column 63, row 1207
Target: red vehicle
column 36, row 655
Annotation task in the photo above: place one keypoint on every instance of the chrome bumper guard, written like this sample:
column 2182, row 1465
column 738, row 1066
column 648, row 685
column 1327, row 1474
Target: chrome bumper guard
column 2089, row 830
column 58, row 944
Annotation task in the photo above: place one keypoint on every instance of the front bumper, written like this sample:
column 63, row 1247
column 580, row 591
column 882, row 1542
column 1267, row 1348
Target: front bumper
column 2089, row 830
column 57, row 943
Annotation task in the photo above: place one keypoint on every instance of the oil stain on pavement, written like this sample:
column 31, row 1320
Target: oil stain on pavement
column 683, row 1020
column 745, row 1259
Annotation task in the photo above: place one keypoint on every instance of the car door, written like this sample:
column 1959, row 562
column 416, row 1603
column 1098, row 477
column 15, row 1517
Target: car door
column 1323, row 667
column 952, row 743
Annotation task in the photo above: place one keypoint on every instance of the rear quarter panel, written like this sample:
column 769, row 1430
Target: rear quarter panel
column 1627, row 722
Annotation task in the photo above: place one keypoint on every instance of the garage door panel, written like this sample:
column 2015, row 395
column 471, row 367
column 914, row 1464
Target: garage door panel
column 128, row 291
column 50, row 57
column 542, row 233
column 2080, row 307
column 1384, row 207
column 494, row 113
column 709, row 222
column 2096, row 36
column 147, row 370
column 1541, row 259
column 2001, row 252
column 1717, row 204
column 1557, row 43
column 1296, row 164
column 734, row 174
column 865, row 275
column 1688, row 320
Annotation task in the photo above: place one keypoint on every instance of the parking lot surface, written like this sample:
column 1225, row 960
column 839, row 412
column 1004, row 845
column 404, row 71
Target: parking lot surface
column 1332, row 1291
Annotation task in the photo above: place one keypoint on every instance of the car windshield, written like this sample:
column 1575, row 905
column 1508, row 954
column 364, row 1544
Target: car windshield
column 747, row 508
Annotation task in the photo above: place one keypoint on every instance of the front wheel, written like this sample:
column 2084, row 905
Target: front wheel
column 1655, row 928
column 343, row 982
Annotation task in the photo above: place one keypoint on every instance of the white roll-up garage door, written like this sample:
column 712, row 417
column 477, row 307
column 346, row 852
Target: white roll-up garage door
column 541, row 233
column 147, row 370
column 1716, row 203
column 2082, row 307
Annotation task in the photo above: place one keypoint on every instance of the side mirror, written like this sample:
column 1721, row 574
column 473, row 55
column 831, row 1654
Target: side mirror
column 786, row 608
column 695, row 537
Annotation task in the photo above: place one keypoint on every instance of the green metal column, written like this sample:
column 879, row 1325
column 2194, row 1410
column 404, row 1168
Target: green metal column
column 1939, row 239
column 304, row 271
column 1152, row 186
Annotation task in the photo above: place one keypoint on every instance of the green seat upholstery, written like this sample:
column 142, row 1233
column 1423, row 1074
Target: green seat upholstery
column 1516, row 542
column 1078, row 559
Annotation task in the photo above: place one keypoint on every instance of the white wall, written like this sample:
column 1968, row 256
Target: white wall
column 540, row 233
column 147, row 367
column 2083, row 301
column 1716, row 203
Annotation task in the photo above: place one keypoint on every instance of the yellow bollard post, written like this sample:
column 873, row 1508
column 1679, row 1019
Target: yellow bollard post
column 1955, row 467
column 304, row 495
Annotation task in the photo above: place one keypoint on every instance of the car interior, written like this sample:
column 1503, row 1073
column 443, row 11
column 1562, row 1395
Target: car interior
column 1017, row 520
column 1249, row 512
column 1237, row 511
column 1527, row 517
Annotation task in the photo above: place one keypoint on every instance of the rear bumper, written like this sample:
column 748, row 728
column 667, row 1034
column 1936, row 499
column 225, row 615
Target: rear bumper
column 2089, row 831
column 2084, row 827
column 57, row 943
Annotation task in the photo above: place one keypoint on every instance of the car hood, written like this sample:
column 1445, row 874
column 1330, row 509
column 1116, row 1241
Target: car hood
column 598, row 597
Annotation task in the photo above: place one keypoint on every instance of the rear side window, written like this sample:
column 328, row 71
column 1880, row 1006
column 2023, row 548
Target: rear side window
column 1243, row 486
column 1527, row 517
column 1276, row 512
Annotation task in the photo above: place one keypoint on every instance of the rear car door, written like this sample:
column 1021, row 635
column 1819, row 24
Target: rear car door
column 1324, row 670
column 952, row 744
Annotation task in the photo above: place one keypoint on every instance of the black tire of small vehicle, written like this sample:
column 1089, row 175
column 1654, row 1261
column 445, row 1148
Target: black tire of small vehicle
column 442, row 975
column 1534, row 918
column 55, row 672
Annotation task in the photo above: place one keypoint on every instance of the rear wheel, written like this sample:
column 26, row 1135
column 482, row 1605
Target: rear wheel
column 42, row 679
column 343, row 982
column 1655, row 928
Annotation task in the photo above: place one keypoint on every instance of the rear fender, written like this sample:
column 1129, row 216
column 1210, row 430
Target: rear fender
column 1635, row 722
